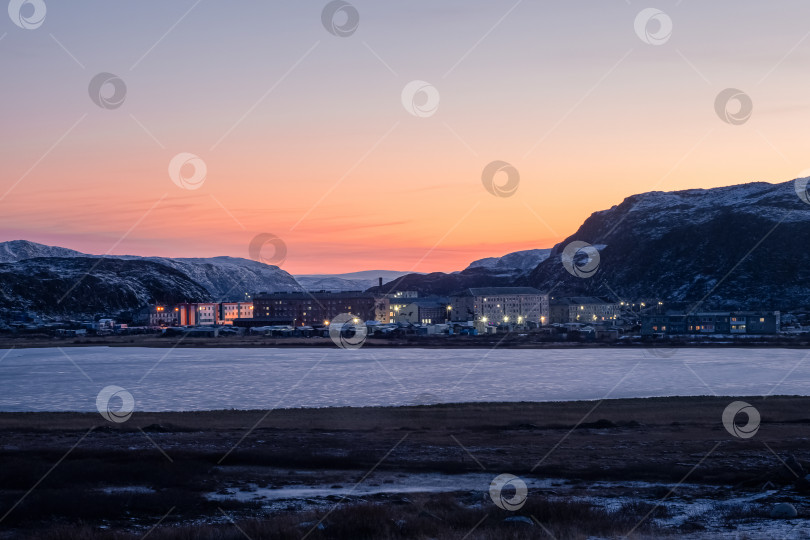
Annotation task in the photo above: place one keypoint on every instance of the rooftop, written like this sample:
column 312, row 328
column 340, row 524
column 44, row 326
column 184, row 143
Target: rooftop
column 321, row 295
column 502, row 291
column 578, row 300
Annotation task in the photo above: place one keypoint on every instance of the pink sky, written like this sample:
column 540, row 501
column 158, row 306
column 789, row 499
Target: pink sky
column 305, row 136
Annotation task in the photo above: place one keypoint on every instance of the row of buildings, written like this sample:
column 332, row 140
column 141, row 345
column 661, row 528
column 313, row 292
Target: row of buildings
column 484, row 306
column 522, row 306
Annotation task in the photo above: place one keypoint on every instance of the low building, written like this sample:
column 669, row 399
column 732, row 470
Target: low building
column 429, row 310
column 500, row 305
column 582, row 309
column 712, row 322
column 318, row 308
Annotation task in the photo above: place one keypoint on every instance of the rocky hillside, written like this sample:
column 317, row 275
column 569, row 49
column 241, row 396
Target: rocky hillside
column 736, row 247
column 224, row 278
column 77, row 286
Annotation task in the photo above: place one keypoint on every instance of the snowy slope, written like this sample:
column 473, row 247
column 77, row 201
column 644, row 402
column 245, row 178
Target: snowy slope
column 734, row 247
column 225, row 278
column 75, row 286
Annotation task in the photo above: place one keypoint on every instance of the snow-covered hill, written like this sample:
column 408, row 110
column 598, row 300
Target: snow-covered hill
column 734, row 247
column 18, row 250
column 225, row 278
column 229, row 278
column 50, row 280
column 87, row 286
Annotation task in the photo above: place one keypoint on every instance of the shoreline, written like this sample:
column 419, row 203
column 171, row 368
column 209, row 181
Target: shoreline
column 786, row 408
column 657, row 347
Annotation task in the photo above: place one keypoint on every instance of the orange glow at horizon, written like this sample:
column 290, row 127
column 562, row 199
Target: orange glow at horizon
column 304, row 135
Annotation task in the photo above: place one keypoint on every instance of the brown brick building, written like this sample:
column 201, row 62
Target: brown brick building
column 317, row 308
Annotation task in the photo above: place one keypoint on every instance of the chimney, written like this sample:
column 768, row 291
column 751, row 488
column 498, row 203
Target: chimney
column 380, row 282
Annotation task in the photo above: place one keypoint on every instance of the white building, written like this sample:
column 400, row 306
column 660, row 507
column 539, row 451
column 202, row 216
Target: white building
column 496, row 305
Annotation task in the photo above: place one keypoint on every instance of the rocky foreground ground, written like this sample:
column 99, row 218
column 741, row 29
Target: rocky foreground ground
column 641, row 468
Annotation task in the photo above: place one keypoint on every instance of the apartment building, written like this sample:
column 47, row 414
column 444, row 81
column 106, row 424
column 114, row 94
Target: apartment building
column 318, row 308
column 501, row 305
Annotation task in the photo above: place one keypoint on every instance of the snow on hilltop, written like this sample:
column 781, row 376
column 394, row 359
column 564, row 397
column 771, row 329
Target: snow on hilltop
column 733, row 247
column 18, row 250
column 225, row 278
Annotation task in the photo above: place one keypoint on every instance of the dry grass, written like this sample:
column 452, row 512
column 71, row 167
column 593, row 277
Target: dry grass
column 439, row 518
column 623, row 440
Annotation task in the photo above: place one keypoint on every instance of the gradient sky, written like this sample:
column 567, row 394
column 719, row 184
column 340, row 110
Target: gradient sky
column 305, row 136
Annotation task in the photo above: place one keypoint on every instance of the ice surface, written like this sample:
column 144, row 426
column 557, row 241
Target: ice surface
column 210, row 379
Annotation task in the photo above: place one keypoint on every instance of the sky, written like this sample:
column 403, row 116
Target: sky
column 292, row 123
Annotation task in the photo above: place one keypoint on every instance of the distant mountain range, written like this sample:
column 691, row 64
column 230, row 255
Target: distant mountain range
column 353, row 281
column 735, row 247
column 507, row 270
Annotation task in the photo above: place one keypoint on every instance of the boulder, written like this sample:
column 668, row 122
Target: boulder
column 783, row 511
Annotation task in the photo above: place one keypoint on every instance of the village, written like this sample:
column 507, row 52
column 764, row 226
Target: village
column 472, row 312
